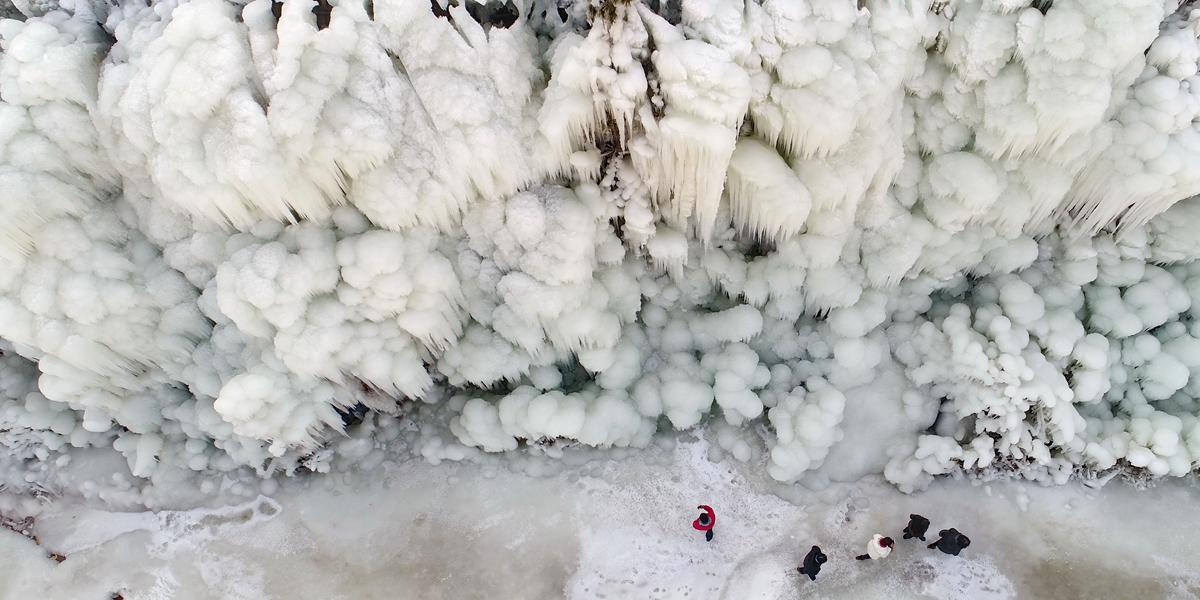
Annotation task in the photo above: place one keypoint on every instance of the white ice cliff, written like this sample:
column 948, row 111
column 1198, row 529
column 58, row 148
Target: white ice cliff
column 839, row 236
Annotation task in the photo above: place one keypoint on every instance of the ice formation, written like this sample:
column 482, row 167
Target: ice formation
column 239, row 239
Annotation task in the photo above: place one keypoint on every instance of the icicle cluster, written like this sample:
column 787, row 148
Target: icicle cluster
column 237, row 239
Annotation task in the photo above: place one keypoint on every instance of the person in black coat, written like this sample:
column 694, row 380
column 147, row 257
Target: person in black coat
column 917, row 526
column 812, row 563
column 951, row 541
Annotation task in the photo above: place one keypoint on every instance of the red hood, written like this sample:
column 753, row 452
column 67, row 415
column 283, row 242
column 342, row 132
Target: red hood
column 712, row 518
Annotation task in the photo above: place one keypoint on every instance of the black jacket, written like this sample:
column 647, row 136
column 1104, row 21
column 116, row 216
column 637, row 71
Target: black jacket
column 812, row 563
column 917, row 526
column 951, row 541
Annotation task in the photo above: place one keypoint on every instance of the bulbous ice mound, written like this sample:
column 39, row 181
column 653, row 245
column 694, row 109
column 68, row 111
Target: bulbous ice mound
column 841, row 238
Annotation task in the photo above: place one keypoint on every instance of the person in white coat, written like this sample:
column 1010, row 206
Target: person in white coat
column 879, row 547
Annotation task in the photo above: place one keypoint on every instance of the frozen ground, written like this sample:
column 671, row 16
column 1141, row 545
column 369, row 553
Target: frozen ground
column 615, row 530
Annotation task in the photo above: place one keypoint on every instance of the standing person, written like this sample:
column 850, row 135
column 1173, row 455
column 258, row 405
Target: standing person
column 879, row 547
column 951, row 541
column 812, row 563
column 705, row 521
column 917, row 526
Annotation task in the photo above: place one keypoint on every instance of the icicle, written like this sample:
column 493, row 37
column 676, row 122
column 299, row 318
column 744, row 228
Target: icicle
column 766, row 197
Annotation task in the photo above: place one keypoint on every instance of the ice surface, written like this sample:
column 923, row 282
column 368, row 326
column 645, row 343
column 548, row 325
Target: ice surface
column 614, row 529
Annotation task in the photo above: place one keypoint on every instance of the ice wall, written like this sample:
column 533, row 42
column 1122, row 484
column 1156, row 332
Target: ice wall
column 908, row 237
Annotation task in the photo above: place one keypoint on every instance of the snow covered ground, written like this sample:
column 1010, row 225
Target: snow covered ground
column 616, row 529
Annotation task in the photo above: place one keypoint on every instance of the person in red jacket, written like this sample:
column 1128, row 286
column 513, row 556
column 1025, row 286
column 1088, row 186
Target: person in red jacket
column 705, row 521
